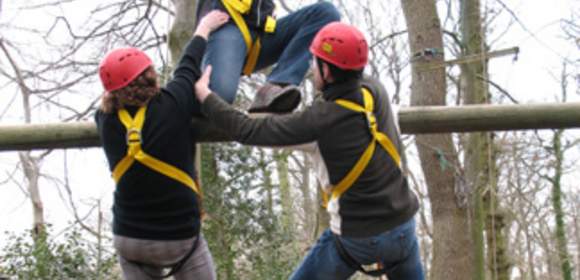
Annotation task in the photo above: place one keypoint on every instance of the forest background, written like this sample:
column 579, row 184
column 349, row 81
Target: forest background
column 501, row 205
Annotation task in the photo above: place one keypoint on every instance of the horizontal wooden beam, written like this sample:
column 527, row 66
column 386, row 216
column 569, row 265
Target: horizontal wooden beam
column 471, row 118
column 412, row 120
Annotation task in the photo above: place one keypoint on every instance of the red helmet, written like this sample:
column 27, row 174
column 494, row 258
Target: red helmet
column 121, row 66
column 341, row 45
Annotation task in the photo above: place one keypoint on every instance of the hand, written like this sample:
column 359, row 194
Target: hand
column 210, row 22
column 202, row 90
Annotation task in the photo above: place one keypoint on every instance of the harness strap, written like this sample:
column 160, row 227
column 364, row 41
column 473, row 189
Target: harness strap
column 243, row 6
column 367, row 155
column 134, row 152
column 359, row 167
column 236, row 8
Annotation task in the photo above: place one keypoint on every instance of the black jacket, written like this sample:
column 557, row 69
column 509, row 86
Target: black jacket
column 147, row 204
column 255, row 19
column 380, row 199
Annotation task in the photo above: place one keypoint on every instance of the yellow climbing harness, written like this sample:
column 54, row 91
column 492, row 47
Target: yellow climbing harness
column 236, row 8
column 364, row 160
column 134, row 152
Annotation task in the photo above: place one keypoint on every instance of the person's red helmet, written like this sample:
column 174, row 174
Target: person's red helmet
column 342, row 45
column 121, row 66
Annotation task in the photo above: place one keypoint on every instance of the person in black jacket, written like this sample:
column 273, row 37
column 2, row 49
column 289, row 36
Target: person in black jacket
column 149, row 144
column 371, row 207
column 233, row 50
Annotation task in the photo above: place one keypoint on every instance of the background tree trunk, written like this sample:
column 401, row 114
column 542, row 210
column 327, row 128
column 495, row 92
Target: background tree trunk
column 561, row 240
column 577, row 236
column 480, row 156
column 477, row 148
column 307, row 203
column 182, row 28
column 29, row 163
column 452, row 249
column 287, row 219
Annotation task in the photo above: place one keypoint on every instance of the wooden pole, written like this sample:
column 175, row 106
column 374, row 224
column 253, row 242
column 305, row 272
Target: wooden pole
column 469, row 118
column 471, row 58
column 412, row 120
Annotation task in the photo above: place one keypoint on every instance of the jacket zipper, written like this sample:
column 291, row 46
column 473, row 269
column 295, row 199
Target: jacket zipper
column 259, row 9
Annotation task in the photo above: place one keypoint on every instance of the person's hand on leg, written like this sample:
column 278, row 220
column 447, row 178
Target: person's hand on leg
column 210, row 22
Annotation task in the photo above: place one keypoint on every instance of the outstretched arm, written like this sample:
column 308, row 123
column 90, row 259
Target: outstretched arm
column 187, row 70
column 275, row 130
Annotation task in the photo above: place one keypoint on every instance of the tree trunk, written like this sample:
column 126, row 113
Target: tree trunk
column 281, row 158
column 480, row 156
column 217, row 223
column 32, row 174
column 182, row 28
column 452, row 249
column 477, row 148
column 307, row 206
column 30, row 164
column 267, row 181
column 561, row 240
column 577, row 237
column 530, row 255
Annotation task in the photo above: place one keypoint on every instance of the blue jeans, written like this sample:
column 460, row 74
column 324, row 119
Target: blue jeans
column 396, row 249
column 288, row 46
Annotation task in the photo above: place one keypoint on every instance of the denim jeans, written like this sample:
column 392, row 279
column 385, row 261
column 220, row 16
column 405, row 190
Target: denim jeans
column 287, row 47
column 396, row 249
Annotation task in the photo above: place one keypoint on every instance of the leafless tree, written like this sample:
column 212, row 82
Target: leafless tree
column 53, row 84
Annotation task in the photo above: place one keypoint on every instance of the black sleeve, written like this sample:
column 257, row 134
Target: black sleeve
column 274, row 130
column 187, row 72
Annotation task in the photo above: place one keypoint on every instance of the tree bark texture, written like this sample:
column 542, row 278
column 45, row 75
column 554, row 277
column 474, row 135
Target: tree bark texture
column 182, row 28
column 477, row 150
column 452, row 245
column 281, row 158
column 480, row 155
column 307, row 204
column 561, row 240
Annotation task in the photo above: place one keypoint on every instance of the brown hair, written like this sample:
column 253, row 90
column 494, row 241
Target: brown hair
column 137, row 93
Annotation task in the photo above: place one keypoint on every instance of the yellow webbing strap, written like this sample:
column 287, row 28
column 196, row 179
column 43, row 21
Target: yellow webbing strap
column 242, row 6
column 236, row 8
column 134, row 152
column 364, row 160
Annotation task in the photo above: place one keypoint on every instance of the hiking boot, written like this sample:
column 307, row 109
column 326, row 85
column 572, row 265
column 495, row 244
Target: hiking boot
column 273, row 98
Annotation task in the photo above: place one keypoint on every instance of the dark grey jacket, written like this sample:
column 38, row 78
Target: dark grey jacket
column 380, row 199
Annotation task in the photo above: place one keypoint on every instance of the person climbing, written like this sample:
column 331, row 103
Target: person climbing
column 371, row 207
column 149, row 145
column 254, row 40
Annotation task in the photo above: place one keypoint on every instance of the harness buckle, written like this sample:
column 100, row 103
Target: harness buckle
column 133, row 136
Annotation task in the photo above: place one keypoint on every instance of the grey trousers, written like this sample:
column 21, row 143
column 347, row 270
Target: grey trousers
column 199, row 266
